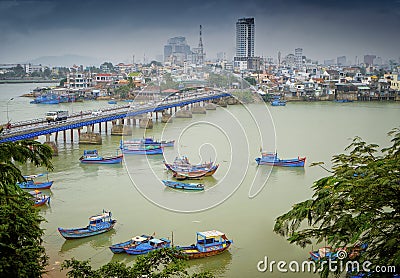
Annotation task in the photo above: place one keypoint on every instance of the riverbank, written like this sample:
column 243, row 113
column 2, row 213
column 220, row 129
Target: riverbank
column 18, row 81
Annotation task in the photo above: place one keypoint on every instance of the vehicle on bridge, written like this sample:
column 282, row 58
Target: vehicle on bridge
column 54, row 116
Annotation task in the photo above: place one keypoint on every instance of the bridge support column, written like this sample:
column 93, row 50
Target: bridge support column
column 79, row 132
column 72, row 135
column 146, row 122
column 53, row 146
column 183, row 114
column 166, row 118
column 105, row 126
column 55, row 137
column 90, row 138
column 65, row 135
column 100, row 128
column 210, row 106
column 198, row 110
column 48, row 137
column 121, row 130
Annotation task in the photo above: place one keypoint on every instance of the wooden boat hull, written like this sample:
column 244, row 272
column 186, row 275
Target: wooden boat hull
column 84, row 232
column 120, row 247
column 189, row 176
column 104, row 160
column 183, row 186
column 297, row 162
column 191, row 252
column 35, row 185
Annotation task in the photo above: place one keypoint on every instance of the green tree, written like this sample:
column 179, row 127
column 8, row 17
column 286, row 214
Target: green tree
column 357, row 204
column 159, row 263
column 251, row 80
column 21, row 252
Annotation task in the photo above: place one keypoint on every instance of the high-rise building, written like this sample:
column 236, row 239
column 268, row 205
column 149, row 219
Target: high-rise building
column 176, row 50
column 341, row 61
column 298, row 54
column 245, row 31
column 369, row 59
column 245, row 37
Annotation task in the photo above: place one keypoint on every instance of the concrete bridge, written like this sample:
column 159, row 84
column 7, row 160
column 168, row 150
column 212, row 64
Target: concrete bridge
column 37, row 127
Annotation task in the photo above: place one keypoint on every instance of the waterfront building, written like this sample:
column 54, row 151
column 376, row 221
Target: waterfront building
column 78, row 80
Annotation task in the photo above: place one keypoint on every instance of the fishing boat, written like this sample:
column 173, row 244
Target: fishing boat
column 39, row 198
column 148, row 141
column 98, row 224
column 184, row 163
column 146, row 247
column 343, row 100
column 183, row 186
column 112, row 102
column 131, row 147
column 323, row 253
column 31, row 184
column 133, row 242
column 92, row 157
column 278, row 102
column 272, row 159
column 193, row 175
column 208, row 243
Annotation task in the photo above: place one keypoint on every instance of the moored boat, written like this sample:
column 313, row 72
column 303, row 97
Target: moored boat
column 208, row 243
column 112, row 102
column 278, row 102
column 132, row 147
column 31, row 184
column 272, row 159
column 183, row 175
column 92, row 157
column 98, row 224
column 146, row 247
column 39, row 198
column 183, row 165
column 133, row 242
column 183, row 186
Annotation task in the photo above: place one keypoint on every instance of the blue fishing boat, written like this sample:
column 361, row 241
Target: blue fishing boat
column 343, row 100
column 112, row 102
column 132, row 147
column 183, row 186
column 133, row 242
column 149, row 246
column 151, row 142
column 98, row 224
column 208, row 243
column 92, row 157
column 273, row 160
column 31, row 184
column 278, row 102
column 39, row 198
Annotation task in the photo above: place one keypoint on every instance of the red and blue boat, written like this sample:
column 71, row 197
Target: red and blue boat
column 208, row 243
column 146, row 247
column 31, row 184
column 272, row 159
column 92, row 157
column 39, row 198
column 98, row 224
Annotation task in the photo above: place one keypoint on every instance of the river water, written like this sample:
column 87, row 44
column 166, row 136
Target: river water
column 241, row 199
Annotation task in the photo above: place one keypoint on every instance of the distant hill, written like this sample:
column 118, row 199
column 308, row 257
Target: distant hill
column 66, row 61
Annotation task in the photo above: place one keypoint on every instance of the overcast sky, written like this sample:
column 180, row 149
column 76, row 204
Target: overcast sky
column 116, row 30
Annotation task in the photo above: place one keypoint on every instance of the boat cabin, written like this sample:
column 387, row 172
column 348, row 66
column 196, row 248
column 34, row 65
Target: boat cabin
column 100, row 221
column 156, row 243
column 210, row 240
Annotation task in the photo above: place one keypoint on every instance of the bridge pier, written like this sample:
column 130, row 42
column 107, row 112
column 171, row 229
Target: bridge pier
column 53, row 146
column 210, row 106
column 72, row 135
column 105, row 125
column 121, row 130
column 146, row 122
column 183, row 114
column 90, row 138
column 198, row 110
column 65, row 135
column 55, row 137
column 166, row 118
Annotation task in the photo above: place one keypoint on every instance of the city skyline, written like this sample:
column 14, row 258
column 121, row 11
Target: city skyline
column 116, row 31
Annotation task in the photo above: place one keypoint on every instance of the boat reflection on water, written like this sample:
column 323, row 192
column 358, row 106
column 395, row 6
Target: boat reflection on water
column 219, row 264
column 99, row 241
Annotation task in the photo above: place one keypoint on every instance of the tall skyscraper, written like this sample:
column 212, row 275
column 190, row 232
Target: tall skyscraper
column 369, row 59
column 245, row 37
column 341, row 61
column 176, row 50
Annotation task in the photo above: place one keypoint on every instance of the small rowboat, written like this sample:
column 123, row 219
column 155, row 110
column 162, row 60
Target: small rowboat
column 152, row 244
column 92, row 157
column 209, row 243
column 39, row 198
column 183, row 186
column 31, row 184
column 133, row 147
column 133, row 242
column 273, row 160
column 98, row 224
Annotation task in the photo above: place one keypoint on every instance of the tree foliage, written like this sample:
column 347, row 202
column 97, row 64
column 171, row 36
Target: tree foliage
column 358, row 204
column 21, row 252
column 156, row 264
